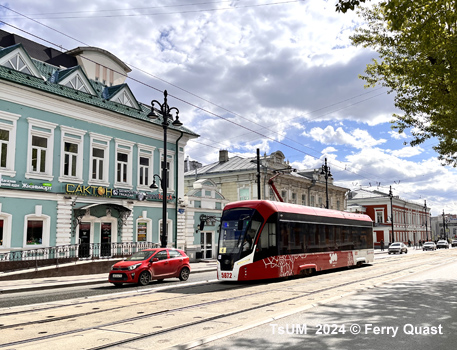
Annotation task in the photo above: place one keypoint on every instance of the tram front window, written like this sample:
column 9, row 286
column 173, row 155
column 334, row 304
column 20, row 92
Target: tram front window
column 238, row 232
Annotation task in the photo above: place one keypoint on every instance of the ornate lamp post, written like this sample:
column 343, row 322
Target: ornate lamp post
column 167, row 118
column 425, row 207
column 326, row 172
column 392, row 214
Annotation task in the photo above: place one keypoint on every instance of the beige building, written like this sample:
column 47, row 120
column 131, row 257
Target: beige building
column 236, row 178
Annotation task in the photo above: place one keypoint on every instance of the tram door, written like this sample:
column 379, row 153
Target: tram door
column 84, row 240
column 206, row 243
column 105, row 246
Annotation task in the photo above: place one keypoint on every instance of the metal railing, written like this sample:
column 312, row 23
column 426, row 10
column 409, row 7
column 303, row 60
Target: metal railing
column 48, row 256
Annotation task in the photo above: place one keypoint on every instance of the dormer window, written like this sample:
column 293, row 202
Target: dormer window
column 77, row 84
column 17, row 63
column 15, row 57
column 125, row 99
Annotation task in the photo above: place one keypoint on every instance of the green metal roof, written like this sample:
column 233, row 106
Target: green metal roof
column 98, row 100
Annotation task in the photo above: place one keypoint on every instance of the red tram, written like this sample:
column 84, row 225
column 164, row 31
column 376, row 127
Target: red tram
column 263, row 239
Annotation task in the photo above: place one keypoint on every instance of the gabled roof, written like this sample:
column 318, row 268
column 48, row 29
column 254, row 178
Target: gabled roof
column 73, row 77
column 120, row 94
column 15, row 57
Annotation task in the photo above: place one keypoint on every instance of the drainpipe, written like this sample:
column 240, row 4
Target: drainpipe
column 175, row 233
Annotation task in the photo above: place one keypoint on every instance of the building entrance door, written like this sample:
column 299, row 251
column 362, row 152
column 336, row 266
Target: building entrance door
column 84, row 240
column 206, row 243
column 105, row 242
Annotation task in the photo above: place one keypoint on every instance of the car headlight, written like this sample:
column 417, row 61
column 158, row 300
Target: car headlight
column 133, row 267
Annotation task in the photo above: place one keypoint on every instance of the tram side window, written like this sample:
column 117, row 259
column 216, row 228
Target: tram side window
column 361, row 236
column 267, row 244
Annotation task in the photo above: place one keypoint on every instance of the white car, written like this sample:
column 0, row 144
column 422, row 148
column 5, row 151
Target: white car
column 442, row 244
column 429, row 246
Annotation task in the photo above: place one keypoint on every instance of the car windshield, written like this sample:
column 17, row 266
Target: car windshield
column 428, row 243
column 139, row 256
column 395, row 244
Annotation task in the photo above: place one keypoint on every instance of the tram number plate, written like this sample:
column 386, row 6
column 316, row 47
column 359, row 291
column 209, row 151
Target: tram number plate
column 116, row 275
column 226, row 274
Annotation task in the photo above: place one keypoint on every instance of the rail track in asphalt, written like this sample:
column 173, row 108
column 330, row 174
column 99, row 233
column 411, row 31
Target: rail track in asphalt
column 159, row 314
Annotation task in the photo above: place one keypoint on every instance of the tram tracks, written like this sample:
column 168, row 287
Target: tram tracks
column 270, row 295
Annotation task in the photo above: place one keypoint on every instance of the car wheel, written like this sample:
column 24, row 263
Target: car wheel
column 118, row 284
column 144, row 278
column 184, row 274
column 406, row 251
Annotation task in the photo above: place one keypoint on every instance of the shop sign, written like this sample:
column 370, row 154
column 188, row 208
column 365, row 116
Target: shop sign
column 9, row 183
column 95, row 191
column 21, row 185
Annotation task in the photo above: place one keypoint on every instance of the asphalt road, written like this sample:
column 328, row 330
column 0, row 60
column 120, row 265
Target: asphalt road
column 414, row 313
column 50, row 295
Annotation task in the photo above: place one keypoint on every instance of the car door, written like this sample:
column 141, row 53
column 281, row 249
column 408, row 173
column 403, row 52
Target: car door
column 161, row 267
column 176, row 260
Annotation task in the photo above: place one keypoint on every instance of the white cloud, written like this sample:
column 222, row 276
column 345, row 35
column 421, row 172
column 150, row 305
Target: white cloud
column 358, row 138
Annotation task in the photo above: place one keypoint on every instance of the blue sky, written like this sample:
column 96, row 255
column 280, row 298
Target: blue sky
column 283, row 72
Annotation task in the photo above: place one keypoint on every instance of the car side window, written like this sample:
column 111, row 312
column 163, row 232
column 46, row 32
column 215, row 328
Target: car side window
column 162, row 255
column 174, row 254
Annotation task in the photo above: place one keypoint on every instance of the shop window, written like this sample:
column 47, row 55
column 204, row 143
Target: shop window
column 34, row 232
column 1, row 231
column 142, row 231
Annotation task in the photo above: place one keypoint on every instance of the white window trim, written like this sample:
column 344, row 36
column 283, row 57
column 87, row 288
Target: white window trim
column 79, row 161
column 146, row 152
column 11, row 152
column 6, row 228
column 46, row 228
column 171, row 172
column 148, row 229
column 49, row 135
column 376, row 210
column 126, row 147
column 104, row 143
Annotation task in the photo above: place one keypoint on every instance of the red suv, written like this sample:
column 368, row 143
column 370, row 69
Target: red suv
column 151, row 264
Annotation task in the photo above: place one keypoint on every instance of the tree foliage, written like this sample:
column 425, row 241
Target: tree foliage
column 417, row 47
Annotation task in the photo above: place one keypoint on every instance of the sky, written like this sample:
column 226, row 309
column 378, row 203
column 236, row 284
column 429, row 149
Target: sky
column 247, row 74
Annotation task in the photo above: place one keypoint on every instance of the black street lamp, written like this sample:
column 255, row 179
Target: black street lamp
column 425, row 207
column 444, row 228
column 326, row 172
column 392, row 214
column 167, row 118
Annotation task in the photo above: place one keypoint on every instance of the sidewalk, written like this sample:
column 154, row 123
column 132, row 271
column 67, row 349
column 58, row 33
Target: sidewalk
column 23, row 285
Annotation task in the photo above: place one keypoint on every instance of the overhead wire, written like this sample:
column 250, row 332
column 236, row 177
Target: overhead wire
column 184, row 101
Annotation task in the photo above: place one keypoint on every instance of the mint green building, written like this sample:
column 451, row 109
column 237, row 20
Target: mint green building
column 78, row 152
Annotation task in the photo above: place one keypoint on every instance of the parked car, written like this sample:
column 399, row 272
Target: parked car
column 397, row 247
column 151, row 264
column 454, row 243
column 442, row 244
column 429, row 246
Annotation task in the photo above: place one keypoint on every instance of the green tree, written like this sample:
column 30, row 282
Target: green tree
column 417, row 47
